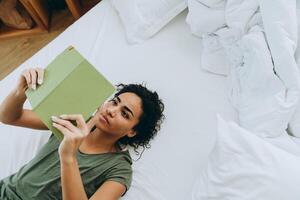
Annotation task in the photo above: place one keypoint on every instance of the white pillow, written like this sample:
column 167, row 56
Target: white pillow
column 212, row 3
column 294, row 123
column 144, row 18
column 203, row 19
column 242, row 166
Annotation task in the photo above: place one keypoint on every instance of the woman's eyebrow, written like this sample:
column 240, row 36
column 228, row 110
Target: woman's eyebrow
column 125, row 107
column 118, row 98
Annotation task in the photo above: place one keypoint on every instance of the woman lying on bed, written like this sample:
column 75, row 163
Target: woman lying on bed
column 91, row 161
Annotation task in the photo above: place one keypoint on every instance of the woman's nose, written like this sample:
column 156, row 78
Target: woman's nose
column 111, row 111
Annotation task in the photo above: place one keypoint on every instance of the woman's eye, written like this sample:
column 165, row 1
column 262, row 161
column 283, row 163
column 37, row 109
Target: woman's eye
column 125, row 114
column 114, row 102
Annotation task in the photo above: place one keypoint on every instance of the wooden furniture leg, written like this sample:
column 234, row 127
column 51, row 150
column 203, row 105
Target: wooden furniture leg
column 80, row 7
column 75, row 8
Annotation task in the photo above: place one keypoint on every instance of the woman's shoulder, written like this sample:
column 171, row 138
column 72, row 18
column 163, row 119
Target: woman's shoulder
column 122, row 157
column 120, row 169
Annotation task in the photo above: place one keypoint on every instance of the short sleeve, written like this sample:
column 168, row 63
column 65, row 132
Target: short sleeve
column 121, row 173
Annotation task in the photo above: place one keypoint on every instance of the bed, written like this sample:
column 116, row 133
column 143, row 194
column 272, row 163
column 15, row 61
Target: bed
column 168, row 63
column 172, row 63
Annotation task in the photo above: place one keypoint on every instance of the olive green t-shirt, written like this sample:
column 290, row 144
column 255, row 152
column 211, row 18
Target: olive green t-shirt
column 40, row 178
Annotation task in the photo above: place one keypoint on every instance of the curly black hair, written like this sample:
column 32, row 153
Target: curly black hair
column 150, row 120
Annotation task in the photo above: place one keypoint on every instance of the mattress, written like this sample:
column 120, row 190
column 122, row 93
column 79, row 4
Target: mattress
column 168, row 63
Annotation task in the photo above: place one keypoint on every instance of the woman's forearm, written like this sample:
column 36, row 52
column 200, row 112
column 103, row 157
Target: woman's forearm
column 12, row 106
column 71, row 182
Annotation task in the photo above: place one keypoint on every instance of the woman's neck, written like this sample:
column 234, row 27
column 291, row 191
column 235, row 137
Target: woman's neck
column 98, row 142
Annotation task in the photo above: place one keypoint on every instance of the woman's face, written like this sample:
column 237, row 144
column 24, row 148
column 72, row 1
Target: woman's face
column 119, row 115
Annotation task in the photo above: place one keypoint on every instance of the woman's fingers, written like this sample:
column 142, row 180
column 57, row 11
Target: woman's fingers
column 78, row 118
column 33, row 76
column 26, row 75
column 40, row 73
column 65, row 123
column 62, row 129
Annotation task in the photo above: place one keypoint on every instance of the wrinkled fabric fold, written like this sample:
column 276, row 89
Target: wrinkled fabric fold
column 256, row 51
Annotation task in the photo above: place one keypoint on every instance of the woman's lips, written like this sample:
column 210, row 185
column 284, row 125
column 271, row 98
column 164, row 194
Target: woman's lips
column 104, row 119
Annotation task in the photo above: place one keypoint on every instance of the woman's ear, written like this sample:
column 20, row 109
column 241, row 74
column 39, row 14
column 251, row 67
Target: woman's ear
column 131, row 133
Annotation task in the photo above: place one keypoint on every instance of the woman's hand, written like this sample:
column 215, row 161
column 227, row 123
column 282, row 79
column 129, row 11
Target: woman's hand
column 73, row 135
column 30, row 78
column 11, row 109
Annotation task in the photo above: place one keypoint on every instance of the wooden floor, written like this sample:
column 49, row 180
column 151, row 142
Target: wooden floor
column 15, row 51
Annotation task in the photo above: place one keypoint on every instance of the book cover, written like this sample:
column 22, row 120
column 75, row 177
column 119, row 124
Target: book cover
column 71, row 85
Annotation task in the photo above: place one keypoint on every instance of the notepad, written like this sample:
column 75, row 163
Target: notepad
column 71, row 85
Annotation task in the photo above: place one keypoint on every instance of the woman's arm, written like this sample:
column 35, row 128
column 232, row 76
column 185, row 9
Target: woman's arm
column 110, row 190
column 11, row 109
column 71, row 182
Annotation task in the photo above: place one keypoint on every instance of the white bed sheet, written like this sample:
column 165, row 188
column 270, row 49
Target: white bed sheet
column 168, row 63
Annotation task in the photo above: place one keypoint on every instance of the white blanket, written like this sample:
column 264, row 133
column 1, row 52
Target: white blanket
column 256, row 49
column 258, row 45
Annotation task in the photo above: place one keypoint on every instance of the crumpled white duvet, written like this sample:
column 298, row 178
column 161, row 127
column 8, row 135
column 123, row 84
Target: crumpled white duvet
column 256, row 49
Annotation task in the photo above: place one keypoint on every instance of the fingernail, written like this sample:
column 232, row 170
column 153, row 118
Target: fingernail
column 62, row 116
column 53, row 124
column 40, row 81
column 33, row 87
column 53, row 117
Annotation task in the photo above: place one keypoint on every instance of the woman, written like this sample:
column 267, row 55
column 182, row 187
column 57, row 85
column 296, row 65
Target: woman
column 91, row 161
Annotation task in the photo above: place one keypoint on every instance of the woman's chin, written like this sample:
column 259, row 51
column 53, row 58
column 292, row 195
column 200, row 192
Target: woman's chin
column 102, row 128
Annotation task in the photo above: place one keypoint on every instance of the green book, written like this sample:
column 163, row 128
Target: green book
column 71, row 85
